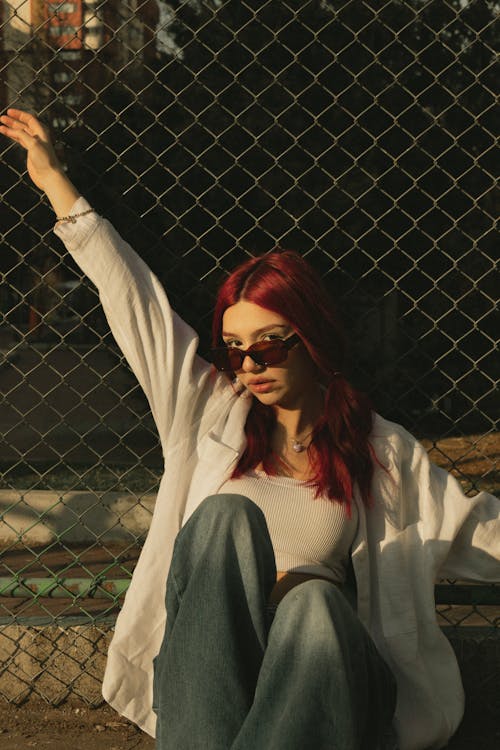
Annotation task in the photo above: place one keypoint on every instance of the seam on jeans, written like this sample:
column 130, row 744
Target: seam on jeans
column 173, row 580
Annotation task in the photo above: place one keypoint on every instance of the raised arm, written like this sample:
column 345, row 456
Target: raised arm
column 43, row 165
column 160, row 348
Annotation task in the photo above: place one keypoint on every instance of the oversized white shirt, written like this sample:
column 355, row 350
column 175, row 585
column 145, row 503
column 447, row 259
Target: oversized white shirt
column 422, row 526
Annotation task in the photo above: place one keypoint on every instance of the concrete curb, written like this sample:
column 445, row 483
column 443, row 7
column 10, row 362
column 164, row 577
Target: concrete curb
column 40, row 517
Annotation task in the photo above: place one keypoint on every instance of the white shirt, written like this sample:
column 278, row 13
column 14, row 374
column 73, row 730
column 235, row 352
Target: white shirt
column 421, row 527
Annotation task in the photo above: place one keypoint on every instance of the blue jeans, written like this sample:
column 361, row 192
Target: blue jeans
column 229, row 676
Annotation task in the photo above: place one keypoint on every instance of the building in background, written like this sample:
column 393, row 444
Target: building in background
column 48, row 49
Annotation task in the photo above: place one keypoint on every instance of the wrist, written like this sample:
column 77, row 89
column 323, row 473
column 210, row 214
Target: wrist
column 60, row 191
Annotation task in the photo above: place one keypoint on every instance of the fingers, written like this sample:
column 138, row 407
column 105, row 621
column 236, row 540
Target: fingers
column 15, row 133
column 12, row 123
column 20, row 120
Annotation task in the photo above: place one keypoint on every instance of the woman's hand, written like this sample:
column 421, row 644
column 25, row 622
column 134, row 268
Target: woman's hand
column 29, row 132
column 43, row 165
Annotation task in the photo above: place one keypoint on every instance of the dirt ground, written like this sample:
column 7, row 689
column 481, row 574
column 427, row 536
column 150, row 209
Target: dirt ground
column 68, row 727
column 473, row 459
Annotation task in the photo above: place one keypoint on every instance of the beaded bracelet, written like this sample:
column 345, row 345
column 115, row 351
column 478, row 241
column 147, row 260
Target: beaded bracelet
column 73, row 217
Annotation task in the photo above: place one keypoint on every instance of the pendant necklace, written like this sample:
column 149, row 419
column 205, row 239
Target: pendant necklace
column 298, row 445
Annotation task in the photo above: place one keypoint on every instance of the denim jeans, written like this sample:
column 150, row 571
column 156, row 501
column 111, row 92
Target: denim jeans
column 229, row 676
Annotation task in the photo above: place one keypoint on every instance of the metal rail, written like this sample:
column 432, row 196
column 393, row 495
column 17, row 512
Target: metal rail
column 106, row 588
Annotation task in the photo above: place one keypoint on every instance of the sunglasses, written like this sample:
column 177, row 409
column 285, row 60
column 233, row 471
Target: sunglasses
column 230, row 359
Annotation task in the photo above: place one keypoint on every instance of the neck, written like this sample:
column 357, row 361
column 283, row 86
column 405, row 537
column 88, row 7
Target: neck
column 299, row 421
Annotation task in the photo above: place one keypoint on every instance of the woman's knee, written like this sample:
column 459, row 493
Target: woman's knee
column 315, row 605
column 223, row 516
column 227, row 508
column 227, row 502
column 225, row 532
column 316, row 623
column 314, row 594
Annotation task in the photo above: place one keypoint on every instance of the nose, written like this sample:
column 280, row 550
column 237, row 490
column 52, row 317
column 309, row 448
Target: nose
column 248, row 365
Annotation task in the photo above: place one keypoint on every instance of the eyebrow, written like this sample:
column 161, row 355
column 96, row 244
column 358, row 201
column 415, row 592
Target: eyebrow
column 259, row 330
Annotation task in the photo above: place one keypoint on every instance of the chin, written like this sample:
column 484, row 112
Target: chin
column 268, row 399
column 282, row 400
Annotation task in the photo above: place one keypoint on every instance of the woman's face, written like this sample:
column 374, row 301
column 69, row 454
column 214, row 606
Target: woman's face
column 285, row 384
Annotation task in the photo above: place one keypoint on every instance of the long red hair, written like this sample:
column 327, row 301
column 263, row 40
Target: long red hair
column 340, row 453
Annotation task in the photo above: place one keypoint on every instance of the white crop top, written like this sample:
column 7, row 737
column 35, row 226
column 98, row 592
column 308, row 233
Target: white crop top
column 308, row 535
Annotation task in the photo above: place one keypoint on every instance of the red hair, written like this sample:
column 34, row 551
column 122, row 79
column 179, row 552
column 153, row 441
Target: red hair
column 340, row 453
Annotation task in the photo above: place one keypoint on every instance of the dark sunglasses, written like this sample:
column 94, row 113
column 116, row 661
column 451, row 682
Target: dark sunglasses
column 230, row 359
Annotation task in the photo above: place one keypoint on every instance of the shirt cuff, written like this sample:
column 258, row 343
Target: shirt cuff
column 74, row 234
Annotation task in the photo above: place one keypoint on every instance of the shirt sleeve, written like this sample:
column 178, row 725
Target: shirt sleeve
column 453, row 535
column 474, row 553
column 158, row 345
column 461, row 533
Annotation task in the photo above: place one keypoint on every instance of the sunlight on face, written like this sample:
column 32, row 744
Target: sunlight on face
column 284, row 385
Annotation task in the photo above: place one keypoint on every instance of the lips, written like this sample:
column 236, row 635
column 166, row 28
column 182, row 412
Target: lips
column 259, row 385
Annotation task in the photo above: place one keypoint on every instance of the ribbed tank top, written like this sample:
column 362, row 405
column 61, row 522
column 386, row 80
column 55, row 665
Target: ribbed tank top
column 309, row 535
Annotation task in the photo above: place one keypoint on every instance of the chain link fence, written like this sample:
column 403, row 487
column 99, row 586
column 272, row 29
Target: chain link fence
column 360, row 133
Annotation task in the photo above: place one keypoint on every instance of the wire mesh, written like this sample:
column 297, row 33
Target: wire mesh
column 360, row 133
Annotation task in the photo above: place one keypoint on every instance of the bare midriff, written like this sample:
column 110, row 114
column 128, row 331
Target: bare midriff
column 285, row 581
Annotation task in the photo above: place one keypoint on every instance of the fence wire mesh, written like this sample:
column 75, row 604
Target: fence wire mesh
column 360, row 133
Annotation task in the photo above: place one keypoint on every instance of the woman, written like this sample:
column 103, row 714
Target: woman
column 249, row 657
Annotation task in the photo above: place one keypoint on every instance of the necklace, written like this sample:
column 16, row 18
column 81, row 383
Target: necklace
column 298, row 445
